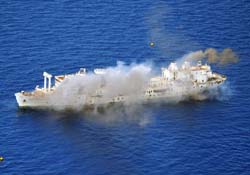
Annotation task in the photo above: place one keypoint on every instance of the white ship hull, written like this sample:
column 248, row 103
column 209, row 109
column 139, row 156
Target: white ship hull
column 30, row 101
column 171, row 86
column 25, row 101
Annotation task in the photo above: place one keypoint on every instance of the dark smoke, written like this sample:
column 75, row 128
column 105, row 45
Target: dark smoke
column 211, row 55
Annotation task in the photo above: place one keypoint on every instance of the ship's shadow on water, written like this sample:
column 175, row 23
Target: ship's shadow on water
column 138, row 113
column 110, row 114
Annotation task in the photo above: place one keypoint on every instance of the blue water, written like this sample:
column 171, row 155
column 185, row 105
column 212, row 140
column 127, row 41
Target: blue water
column 211, row 137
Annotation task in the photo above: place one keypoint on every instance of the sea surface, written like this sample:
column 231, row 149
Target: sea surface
column 60, row 36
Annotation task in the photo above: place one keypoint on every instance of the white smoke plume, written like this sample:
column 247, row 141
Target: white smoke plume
column 123, row 80
column 120, row 80
column 127, row 80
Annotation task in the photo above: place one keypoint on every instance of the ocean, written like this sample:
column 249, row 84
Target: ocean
column 61, row 36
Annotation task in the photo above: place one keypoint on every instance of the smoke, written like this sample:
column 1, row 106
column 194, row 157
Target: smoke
column 211, row 55
column 127, row 81
column 122, row 80
column 130, row 82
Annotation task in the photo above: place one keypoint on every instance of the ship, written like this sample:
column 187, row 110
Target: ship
column 187, row 81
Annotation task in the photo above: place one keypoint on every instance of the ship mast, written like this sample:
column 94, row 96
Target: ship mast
column 47, row 76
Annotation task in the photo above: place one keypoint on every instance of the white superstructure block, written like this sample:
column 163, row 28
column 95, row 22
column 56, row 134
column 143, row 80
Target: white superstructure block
column 173, row 67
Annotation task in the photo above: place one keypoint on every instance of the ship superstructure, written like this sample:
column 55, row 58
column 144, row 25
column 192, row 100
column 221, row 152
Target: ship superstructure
column 185, row 81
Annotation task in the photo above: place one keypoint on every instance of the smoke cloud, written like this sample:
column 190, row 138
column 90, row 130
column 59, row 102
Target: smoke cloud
column 210, row 55
column 130, row 81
